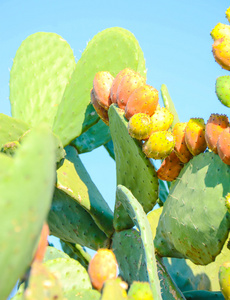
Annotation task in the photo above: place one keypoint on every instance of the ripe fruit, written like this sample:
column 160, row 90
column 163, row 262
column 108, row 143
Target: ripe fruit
column 144, row 99
column 116, row 82
column 162, row 119
column 195, row 136
column 215, row 125
column 181, row 148
column 43, row 243
column 223, row 146
column 101, row 88
column 227, row 13
column 140, row 126
column 219, row 31
column 170, row 167
column 103, row 266
column 159, row 145
column 127, row 85
column 221, row 52
column 101, row 111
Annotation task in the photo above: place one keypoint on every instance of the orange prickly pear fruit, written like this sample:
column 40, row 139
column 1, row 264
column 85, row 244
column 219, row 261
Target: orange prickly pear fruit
column 101, row 88
column 116, row 82
column 224, row 279
column 159, row 145
column 170, row 167
column 144, row 99
column 43, row 243
column 223, row 146
column 127, row 85
column 101, row 111
column 195, row 136
column 215, row 125
column 221, row 52
column 181, row 148
column 103, row 266
column 162, row 119
column 140, row 126
column 219, row 31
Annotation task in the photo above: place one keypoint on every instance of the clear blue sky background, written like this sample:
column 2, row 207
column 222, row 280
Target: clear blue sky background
column 173, row 34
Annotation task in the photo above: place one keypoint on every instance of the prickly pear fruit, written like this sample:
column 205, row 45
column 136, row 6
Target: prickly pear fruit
column 181, row 148
column 10, row 148
column 227, row 13
column 223, row 90
column 223, row 146
column 195, row 136
column 159, row 145
column 140, row 290
column 170, row 167
column 143, row 99
column 127, row 85
column 140, row 126
column 101, row 111
column 103, row 266
column 162, row 119
column 116, row 82
column 43, row 243
column 224, row 279
column 219, row 31
column 221, row 52
column 215, row 125
column 102, row 83
column 227, row 202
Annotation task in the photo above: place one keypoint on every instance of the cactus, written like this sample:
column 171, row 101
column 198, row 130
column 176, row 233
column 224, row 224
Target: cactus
column 224, row 279
column 222, row 89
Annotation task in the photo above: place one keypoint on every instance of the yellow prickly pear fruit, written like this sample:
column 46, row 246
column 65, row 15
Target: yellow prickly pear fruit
column 159, row 145
column 140, row 126
column 195, row 136
column 219, row 31
column 227, row 202
column 162, row 119
column 181, row 148
column 224, row 280
column 140, row 291
column 221, row 52
column 227, row 13
column 103, row 266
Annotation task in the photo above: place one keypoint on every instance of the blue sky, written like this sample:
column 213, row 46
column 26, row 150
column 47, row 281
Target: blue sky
column 173, row 34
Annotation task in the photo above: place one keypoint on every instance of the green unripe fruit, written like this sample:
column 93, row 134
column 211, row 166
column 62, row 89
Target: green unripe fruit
column 140, row 126
column 159, row 145
column 223, row 89
column 224, row 280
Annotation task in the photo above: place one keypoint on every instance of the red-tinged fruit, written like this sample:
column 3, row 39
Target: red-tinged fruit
column 103, row 266
column 221, row 52
column 116, row 82
column 43, row 243
column 181, row 149
column 102, row 113
column 127, row 85
column 101, row 88
column 144, row 99
column 159, row 145
column 162, row 119
column 215, row 125
column 223, row 146
column 140, row 126
column 195, row 136
column 170, row 167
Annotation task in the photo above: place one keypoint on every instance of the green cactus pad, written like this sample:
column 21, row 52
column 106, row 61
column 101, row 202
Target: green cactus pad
column 70, row 273
column 110, row 149
column 82, row 294
column 194, row 223
column 168, row 103
column 52, row 253
column 42, row 68
column 26, row 189
column 94, row 137
column 139, row 217
column 223, row 89
column 74, row 180
column 11, row 129
column 203, row 295
column 111, row 50
column 70, row 222
column 133, row 169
